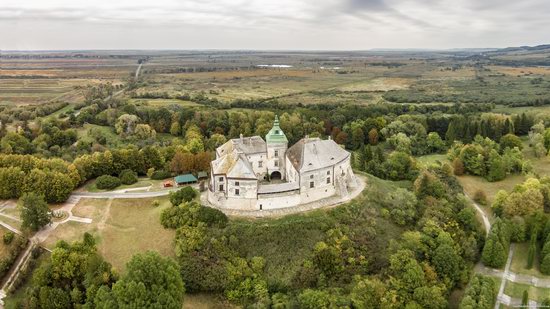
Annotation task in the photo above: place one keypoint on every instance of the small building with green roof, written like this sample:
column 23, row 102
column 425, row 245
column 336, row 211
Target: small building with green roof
column 185, row 179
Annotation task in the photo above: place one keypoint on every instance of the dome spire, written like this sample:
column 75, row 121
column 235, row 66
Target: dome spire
column 276, row 135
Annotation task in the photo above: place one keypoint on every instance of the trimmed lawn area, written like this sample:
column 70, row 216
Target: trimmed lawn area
column 473, row 183
column 427, row 160
column 516, row 290
column 121, row 227
column 205, row 301
column 519, row 262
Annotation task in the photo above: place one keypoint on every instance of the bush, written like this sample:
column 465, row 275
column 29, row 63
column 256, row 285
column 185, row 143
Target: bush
column 212, row 217
column 160, row 175
column 107, row 182
column 128, row 177
column 8, row 238
column 480, row 197
column 185, row 194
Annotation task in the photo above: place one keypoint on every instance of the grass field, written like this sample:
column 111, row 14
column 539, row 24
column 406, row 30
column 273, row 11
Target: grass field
column 519, row 262
column 516, row 290
column 206, row 301
column 122, row 228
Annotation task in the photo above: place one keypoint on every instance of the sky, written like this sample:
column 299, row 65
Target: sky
column 272, row 24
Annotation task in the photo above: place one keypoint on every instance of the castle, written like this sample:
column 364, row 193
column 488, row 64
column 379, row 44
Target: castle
column 252, row 174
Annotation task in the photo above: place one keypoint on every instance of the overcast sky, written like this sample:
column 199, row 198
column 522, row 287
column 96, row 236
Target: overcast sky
column 272, row 24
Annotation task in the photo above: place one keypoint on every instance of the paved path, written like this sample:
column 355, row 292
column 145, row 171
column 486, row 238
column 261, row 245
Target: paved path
column 500, row 295
column 325, row 203
column 124, row 194
column 479, row 209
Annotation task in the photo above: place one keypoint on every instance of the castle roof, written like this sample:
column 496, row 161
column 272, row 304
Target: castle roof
column 276, row 135
column 245, row 145
column 310, row 154
column 233, row 165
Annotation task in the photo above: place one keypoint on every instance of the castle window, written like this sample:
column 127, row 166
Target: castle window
column 276, row 131
column 221, row 178
column 276, row 153
column 221, row 188
column 311, row 184
column 237, row 191
column 328, row 172
column 236, row 183
column 260, row 163
column 310, row 176
column 276, row 163
column 328, row 179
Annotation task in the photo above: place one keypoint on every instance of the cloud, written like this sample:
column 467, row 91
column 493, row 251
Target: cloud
column 285, row 24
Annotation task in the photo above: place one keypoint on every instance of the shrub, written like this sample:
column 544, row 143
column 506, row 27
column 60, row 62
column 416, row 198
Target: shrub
column 107, row 182
column 185, row 194
column 212, row 217
column 156, row 203
column 160, row 175
column 128, row 177
column 458, row 167
column 480, row 197
column 8, row 238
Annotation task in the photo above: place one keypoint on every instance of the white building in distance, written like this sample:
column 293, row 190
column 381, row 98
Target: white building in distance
column 252, row 174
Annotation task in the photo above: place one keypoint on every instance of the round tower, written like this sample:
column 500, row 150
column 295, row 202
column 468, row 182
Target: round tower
column 277, row 144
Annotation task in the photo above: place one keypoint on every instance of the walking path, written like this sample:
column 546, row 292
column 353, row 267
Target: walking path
column 500, row 296
column 484, row 217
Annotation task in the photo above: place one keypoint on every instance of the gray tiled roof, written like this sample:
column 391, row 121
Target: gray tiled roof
column 246, row 145
column 310, row 154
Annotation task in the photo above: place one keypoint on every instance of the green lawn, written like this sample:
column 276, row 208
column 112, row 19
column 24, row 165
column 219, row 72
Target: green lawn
column 519, row 262
column 106, row 131
column 516, row 290
column 428, row 160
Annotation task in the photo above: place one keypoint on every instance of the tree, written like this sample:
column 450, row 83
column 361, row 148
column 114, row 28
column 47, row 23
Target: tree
column 144, row 132
column 182, row 162
column 510, row 141
column 435, row 143
column 447, row 262
column 151, row 281
column 185, row 194
column 496, row 169
column 314, row 299
column 35, row 212
column 126, row 124
column 373, row 136
column 15, row 143
column 107, row 182
column 525, row 299
column 128, row 177
column 367, row 293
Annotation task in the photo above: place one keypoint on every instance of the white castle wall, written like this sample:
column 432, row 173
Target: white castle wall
column 255, row 160
column 247, row 188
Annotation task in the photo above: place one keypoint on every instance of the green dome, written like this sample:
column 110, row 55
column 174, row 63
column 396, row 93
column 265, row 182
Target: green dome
column 276, row 135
